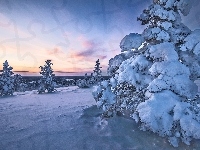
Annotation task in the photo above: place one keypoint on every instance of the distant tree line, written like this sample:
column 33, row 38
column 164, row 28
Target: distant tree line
column 10, row 82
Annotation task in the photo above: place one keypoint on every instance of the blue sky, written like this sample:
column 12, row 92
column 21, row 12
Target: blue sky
column 72, row 33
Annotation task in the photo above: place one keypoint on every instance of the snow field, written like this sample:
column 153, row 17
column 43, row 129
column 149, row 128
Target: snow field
column 68, row 120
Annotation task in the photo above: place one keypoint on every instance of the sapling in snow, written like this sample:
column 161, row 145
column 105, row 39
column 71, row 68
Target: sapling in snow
column 47, row 80
column 97, row 72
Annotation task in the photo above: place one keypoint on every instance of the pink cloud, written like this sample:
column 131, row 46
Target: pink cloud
column 54, row 51
column 102, row 57
column 86, row 44
column 91, row 49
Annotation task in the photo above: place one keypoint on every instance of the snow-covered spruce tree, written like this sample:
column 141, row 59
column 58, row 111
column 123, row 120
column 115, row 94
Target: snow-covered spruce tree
column 47, row 80
column 159, row 77
column 6, row 80
column 97, row 72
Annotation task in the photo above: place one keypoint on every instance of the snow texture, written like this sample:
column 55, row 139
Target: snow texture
column 190, row 54
column 134, row 71
column 156, row 34
column 154, row 113
column 183, row 5
column 192, row 42
column 114, row 63
column 131, row 42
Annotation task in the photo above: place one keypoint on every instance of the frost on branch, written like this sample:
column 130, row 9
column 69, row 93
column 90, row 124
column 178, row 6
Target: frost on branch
column 155, row 83
column 183, row 6
column 47, row 80
column 156, row 35
column 6, row 80
column 192, row 42
column 190, row 53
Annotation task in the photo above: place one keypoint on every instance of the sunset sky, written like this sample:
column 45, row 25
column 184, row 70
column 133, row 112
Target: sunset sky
column 72, row 33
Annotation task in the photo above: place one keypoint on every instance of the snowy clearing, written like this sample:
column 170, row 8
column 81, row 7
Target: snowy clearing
column 67, row 120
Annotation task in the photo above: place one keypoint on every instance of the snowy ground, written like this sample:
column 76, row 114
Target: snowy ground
column 69, row 120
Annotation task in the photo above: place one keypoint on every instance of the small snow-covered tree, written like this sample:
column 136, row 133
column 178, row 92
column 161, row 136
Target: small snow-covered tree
column 155, row 83
column 18, row 84
column 87, row 82
column 93, row 79
column 47, row 80
column 6, row 80
column 97, row 71
column 83, row 83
